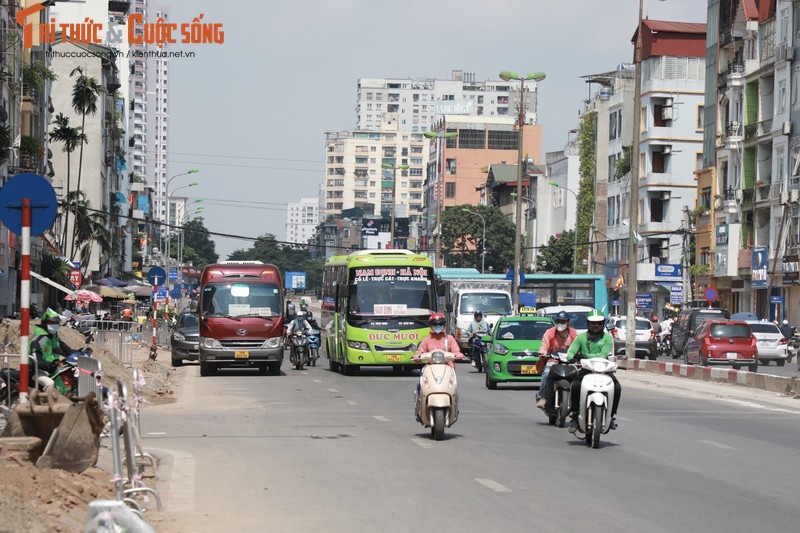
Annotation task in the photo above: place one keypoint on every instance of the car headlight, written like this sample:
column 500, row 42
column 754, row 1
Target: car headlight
column 358, row 345
column 499, row 349
column 178, row 337
column 272, row 342
column 209, row 343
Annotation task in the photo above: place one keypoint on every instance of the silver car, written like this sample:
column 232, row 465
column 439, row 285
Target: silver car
column 771, row 345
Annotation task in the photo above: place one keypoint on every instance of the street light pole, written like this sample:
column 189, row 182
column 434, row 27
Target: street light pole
column 394, row 198
column 575, row 253
column 483, row 239
column 507, row 76
column 169, row 225
column 166, row 196
column 440, row 185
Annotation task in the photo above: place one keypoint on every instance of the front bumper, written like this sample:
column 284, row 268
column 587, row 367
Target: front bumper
column 512, row 369
column 242, row 357
column 642, row 347
column 188, row 351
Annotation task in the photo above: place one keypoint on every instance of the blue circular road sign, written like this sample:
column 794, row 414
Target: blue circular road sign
column 156, row 276
column 42, row 196
column 711, row 294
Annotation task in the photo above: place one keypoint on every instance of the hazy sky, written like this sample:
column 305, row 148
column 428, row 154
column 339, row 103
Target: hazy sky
column 251, row 113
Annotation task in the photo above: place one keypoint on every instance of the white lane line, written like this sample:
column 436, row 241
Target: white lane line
column 332, row 390
column 350, row 402
column 423, row 443
column 754, row 405
column 381, row 418
column 179, row 494
column 492, row 485
column 717, row 444
column 317, row 381
column 156, row 433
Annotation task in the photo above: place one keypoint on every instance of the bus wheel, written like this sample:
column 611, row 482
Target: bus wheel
column 333, row 365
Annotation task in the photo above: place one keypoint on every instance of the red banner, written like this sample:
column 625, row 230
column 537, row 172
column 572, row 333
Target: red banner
column 75, row 277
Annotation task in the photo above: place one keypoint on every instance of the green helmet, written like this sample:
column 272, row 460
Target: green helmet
column 595, row 316
column 50, row 317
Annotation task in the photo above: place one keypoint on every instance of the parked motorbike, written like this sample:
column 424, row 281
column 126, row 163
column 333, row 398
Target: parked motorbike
column 561, row 375
column 313, row 346
column 596, row 399
column 65, row 378
column 298, row 349
column 436, row 397
column 477, row 352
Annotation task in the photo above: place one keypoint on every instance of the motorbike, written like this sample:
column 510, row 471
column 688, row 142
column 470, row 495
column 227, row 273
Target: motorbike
column 561, row 375
column 665, row 345
column 596, row 399
column 313, row 346
column 65, row 378
column 436, row 396
column 298, row 346
column 792, row 348
column 477, row 352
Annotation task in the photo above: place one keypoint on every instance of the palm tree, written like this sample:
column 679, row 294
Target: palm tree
column 85, row 94
column 90, row 227
column 70, row 136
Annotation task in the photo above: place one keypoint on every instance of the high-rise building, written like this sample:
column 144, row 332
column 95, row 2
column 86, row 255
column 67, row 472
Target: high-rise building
column 301, row 219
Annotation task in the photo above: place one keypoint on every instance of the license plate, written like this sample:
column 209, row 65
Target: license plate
column 241, row 355
column 731, row 355
column 393, row 358
column 528, row 369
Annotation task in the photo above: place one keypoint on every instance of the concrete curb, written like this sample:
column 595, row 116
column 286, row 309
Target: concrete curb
column 767, row 382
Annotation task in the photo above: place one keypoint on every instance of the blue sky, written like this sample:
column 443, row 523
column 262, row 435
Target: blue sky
column 251, row 113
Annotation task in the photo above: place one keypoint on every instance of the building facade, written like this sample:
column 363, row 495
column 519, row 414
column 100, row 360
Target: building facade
column 301, row 219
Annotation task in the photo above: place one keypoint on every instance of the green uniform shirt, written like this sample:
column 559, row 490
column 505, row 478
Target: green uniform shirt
column 589, row 348
column 43, row 345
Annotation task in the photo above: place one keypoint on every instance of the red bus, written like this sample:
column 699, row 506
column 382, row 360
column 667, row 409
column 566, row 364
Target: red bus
column 241, row 316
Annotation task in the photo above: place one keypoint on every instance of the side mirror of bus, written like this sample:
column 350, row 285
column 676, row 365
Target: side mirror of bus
column 449, row 307
column 440, row 289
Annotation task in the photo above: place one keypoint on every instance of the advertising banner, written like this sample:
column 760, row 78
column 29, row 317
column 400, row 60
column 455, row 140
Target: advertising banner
column 790, row 270
column 759, row 268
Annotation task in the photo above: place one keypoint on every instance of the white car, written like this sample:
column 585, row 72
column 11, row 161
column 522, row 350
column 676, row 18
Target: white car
column 577, row 314
column 772, row 345
column 645, row 342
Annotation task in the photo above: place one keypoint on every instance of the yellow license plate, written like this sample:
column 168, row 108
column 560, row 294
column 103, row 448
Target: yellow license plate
column 241, row 355
column 528, row 369
column 393, row 358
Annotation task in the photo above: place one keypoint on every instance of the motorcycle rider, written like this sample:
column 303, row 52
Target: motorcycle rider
column 439, row 339
column 556, row 339
column 595, row 342
column 47, row 347
column 666, row 327
column 786, row 329
column 299, row 323
column 477, row 328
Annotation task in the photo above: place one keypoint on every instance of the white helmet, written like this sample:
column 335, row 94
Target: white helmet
column 785, row 322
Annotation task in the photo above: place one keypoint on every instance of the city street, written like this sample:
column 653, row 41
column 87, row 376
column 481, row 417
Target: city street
column 314, row 450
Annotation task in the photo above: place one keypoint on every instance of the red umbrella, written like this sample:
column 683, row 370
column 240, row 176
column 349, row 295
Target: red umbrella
column 83, row 295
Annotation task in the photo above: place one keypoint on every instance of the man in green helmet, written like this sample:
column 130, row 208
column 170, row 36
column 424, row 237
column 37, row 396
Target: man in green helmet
column 47, row 347
column 595, row 342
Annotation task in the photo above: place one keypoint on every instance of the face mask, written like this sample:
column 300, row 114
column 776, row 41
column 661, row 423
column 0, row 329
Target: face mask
column 52, row 328
column 561, row 327
column 438, row 329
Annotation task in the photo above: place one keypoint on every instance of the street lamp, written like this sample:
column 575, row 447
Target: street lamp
column 194, row 212
column 483, row 240
column 166, row 195
column 440, row 185
column 394, row 197
column 507, row 76
column 169, row 222
column 575, row 253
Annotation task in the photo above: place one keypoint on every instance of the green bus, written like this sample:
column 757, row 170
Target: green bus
column 375, row 308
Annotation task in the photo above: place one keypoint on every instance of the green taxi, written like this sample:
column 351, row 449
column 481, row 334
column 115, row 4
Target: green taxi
column 512, row 349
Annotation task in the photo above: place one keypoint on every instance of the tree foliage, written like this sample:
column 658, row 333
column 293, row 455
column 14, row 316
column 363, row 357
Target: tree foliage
column 288, row 258
column 557, row 255
column 463, row 232
column 588, row 169
column 197, row 245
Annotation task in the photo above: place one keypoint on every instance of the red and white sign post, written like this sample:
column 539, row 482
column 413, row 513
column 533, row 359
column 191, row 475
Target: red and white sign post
column 25, row 301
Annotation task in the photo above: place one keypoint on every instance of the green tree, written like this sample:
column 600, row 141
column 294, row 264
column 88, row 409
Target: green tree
column 70, row 137
column 85, row 94
column 557, row 255
column 463, row 232
column 90, row 227
column 197, row 245
column 588, row 169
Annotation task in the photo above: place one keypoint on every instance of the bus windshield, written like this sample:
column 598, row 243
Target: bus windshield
column 241, row 299
column 390, row 291
column 489, row 303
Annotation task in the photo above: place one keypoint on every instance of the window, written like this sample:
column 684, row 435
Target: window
column 611, row 212
column 612, row 126
column 643, row 120
column 657, row 208
column 449, row 190
column 782, row 96
column 451, row 166
column 659, row 162
column 699, row 120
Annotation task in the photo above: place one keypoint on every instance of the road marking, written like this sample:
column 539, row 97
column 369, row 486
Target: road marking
column 381, row 418
column 156, row 433
column 493, row 485
column 424, row 443
column 332, row 390
column 717, row 444
column 350, row 402
column 317, row 381
column 179, row 494
column 754, row 405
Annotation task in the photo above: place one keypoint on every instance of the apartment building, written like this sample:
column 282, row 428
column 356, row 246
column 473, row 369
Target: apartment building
column 301, row 220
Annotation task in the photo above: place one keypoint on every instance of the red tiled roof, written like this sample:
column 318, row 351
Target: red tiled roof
column 750, row 10
column 676, row 27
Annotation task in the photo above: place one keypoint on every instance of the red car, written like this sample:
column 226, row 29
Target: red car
column 723, row 342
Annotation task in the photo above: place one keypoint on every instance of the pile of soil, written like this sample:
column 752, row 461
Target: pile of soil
column 34, row 499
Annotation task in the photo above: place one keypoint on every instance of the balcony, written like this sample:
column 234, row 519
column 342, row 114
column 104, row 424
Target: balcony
column 759, row 129
column 734, row 77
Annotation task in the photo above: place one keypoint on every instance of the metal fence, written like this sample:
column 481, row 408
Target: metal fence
column 122, row 337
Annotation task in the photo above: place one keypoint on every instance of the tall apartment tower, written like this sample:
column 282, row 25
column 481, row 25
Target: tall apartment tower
column 417, row 103
column 301, row 219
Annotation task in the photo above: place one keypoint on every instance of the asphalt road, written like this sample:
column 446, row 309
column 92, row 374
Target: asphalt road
column 770, row 367
column 316, row 451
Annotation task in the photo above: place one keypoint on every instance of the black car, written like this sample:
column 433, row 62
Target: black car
column 185, row 339
column 687, row 322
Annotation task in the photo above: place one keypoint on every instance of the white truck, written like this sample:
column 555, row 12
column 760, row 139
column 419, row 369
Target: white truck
column 460, row 298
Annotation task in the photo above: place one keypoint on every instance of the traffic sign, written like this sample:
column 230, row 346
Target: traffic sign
column 710, row 294
column 510, row 276
column 156, row 276
column 776, row 299
column 644, row 300
column 41, row 195
column 173, row 274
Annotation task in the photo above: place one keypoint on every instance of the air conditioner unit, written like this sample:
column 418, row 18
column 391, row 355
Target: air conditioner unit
column 667, row 149
column 784, row 52
column 738, row 195
column 666, row 113
column 668, row 102
column 665, row 195
column 784, row 197
column 787, row 128
column 718, row 203
column 794, row 196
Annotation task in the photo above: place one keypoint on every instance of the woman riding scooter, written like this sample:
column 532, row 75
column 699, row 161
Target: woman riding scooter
column 438, row 339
